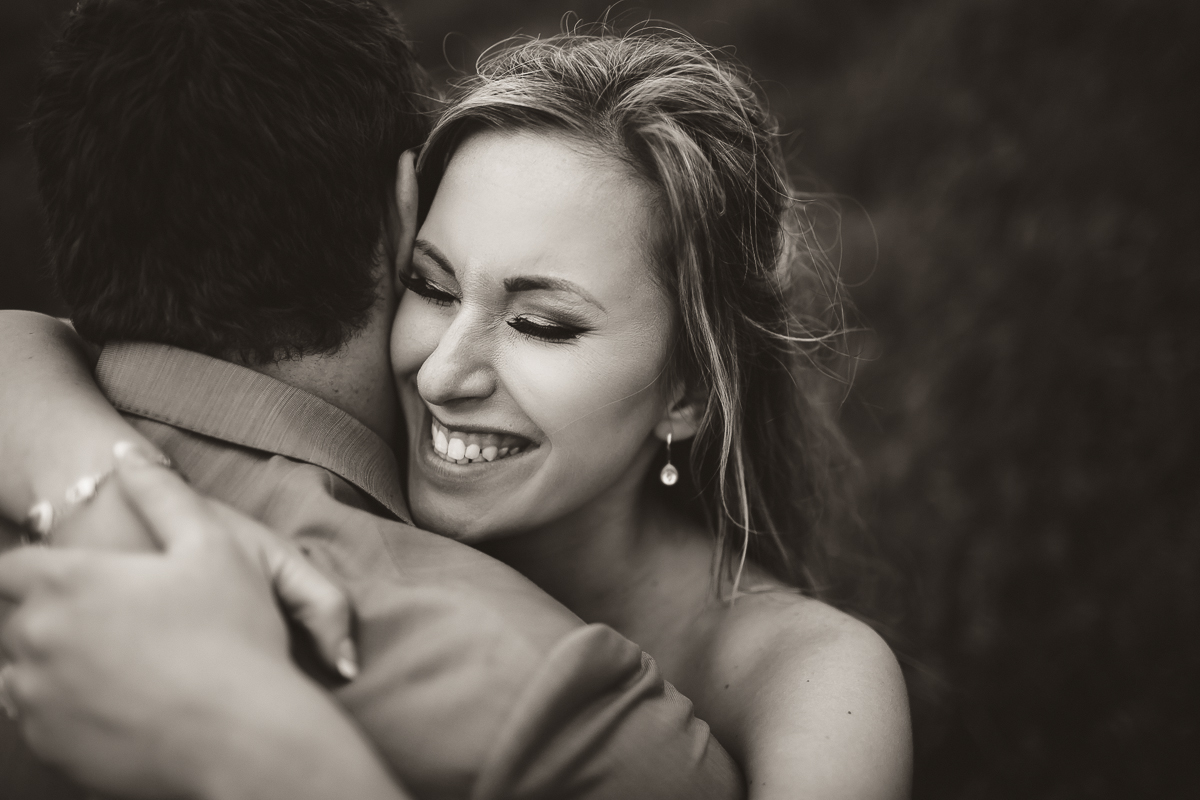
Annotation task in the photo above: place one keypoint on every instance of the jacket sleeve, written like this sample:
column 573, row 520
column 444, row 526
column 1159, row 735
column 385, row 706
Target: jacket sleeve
column 598, row 721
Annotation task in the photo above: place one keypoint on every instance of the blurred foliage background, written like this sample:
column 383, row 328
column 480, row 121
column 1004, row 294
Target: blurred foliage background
column 1018, row 181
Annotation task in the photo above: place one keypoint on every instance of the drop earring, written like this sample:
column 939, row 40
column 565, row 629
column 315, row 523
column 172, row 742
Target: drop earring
column 669, row 475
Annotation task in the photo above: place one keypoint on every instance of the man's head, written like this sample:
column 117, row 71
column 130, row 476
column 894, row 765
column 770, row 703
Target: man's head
column 217, row 173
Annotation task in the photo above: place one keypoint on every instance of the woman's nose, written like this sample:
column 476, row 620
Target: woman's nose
column 460, row 366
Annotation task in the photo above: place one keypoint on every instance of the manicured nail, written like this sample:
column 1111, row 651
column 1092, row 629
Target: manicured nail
column 347, row 663
column 129, row 453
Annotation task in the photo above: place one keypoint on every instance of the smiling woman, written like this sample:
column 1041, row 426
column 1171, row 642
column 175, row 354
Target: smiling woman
column 536, row 329
column 611, row 259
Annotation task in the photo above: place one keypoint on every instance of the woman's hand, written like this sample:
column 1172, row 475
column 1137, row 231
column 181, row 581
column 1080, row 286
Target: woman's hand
column 147, row 674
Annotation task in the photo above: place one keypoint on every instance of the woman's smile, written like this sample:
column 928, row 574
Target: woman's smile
column 466, row 448
column 475, row 446
column 458, row 459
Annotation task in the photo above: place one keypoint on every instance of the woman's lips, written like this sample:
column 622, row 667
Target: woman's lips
column 458, row 447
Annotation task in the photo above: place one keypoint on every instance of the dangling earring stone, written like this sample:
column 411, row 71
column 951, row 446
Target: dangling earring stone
column 669, row 474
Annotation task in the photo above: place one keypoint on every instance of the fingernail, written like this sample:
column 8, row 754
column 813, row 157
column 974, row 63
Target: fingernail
column 128, row 453
column 347, row 663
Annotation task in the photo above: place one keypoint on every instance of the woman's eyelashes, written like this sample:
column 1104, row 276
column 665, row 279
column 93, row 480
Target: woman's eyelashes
column 420, row 285
column 535, row 327
column 544, row 329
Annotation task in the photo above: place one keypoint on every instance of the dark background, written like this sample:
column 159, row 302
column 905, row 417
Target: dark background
column 1018, row 182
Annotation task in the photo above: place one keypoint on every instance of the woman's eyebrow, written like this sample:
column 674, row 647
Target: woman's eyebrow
column 534, row 283
column 431, row 252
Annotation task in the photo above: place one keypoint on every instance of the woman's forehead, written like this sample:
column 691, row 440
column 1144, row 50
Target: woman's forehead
column 542, row 201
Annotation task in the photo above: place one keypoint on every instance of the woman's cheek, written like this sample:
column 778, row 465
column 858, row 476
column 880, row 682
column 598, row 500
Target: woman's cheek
column 586, row 400
column 547, row 381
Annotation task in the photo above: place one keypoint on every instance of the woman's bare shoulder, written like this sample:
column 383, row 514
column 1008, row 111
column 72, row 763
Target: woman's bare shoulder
column 777, row 620
column 804, row 646
column 825, row 705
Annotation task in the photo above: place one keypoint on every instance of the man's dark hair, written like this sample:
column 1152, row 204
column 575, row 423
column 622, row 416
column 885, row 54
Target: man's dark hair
column 217, row 173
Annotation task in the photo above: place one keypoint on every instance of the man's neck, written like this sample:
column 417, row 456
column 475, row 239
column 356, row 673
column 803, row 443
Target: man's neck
column 357, row 378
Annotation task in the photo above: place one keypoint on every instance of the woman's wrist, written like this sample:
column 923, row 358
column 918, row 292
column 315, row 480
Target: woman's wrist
column 57, row 428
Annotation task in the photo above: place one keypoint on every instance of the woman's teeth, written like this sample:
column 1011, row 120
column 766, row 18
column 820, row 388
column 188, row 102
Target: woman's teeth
column 472, row 448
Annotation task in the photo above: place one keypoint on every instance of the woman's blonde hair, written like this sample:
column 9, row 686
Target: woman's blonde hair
column 760, row 308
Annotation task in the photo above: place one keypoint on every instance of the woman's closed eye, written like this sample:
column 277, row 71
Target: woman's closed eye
column 536, row 327
column 540, row 328
column 434, row 293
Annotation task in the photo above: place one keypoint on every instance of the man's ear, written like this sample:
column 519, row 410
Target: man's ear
column 682, row 419
column 402, row 223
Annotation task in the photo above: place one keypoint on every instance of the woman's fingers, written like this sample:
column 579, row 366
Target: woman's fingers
column 177, row 514
column 172, row 510
column 25, row 569
column 309, row 597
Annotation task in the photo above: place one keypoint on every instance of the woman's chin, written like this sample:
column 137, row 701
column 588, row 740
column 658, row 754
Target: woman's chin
column 471, row 501
column 454, row 520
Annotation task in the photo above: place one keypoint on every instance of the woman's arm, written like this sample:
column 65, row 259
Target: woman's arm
column 167, row 673
column 56, row 426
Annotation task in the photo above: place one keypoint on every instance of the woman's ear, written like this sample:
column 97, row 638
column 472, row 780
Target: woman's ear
column 402, row 222
column 682, row 420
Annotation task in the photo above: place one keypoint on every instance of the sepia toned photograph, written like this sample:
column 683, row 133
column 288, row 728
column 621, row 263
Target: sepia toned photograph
column 644, row 400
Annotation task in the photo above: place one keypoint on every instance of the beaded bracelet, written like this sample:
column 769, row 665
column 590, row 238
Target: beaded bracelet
column 43, row 515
